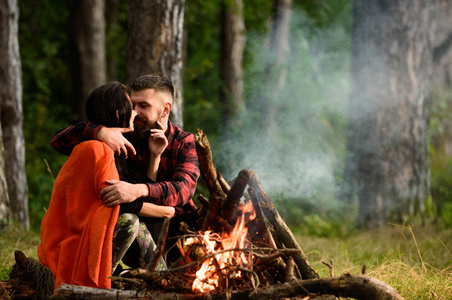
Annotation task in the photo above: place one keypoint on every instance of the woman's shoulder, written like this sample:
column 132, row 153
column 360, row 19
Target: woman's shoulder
column 93, row 147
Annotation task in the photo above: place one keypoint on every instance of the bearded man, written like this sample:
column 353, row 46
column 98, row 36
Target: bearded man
column 175, row 182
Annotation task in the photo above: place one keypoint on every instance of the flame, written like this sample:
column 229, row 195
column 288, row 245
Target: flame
column 207, row 277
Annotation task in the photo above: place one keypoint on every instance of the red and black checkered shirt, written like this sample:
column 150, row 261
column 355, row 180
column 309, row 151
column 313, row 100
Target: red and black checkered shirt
column 178, row 171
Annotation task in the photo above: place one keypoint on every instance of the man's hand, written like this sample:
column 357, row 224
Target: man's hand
column 122, row 192
column 112, row 136
column 157, row 141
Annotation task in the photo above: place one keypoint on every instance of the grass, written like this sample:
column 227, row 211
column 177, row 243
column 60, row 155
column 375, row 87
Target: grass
column 15, row 239
column 416, row 261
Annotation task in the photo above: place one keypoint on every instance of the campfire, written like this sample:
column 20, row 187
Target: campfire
column 245, row 250
column 242, row 249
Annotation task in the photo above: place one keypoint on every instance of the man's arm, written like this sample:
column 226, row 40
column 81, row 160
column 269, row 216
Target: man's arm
column 181, row 188
column 176, row 193
column 65, row 140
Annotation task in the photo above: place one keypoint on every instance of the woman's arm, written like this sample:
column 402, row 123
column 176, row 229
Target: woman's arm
column 156, row 211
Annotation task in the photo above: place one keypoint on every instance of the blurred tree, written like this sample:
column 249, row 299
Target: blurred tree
column 232, row 45
column 276, row 71
column 5, row 206
column 116, row 18
column 441, row 113
column 12, row 113
column 87, row 29
column 154, row 44
column 387, row 160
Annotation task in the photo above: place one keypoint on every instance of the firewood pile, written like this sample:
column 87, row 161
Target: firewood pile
column 242, row 250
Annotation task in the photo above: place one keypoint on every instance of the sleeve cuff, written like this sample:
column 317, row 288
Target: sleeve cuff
column 91, row 130
column 149, row 191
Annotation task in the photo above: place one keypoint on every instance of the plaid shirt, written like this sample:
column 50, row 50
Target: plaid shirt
column 178, row 171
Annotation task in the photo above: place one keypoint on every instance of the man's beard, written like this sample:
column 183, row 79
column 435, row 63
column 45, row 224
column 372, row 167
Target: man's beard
column 141, row 130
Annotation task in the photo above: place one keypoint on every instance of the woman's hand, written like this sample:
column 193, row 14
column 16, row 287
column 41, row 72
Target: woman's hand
column 119, row 192
column 112, row 136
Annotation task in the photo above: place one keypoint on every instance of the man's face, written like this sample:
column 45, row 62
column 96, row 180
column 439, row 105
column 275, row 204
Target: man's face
column 149, row 106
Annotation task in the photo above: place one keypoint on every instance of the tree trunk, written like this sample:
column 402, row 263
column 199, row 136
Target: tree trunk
column 232, row 45
column 111, row 34
column 11, row 112
column 276, row 71
column 442, row 52
column 442, row 104
column 88, row 30
column 4, row 198
column 387, row 160
column 154, row 44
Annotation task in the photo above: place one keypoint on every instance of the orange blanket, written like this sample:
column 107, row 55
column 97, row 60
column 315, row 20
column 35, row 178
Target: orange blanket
column 77, row 229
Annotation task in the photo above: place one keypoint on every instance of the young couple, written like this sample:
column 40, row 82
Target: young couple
column 106, row 207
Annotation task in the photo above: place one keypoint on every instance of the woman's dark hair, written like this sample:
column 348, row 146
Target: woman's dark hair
column 108, row 105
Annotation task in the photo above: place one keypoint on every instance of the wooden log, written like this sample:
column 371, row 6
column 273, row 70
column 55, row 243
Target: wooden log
column 209, row 222
column 224, row 184
column 205, row 203
column 28, row 279
column 235, row 193
column 259, row 232
column 353, row 286
column 160, row 245
column 69, row 292
column 282, row 230
column 206, row 166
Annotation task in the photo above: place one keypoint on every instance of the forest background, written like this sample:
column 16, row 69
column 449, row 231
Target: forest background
column 315, row 111
column 299, row 152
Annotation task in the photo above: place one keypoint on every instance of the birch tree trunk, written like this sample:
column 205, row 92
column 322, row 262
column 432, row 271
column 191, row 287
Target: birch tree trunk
column 388, row 162
column 232, row 46
column 88, row 30
column 4, row 197
column 12, row 113
column 154, row 44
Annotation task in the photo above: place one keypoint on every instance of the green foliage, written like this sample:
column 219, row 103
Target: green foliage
column 440, row 162
column 116, row 38
column 4, row 272
column 201, row 72
column 47, row 102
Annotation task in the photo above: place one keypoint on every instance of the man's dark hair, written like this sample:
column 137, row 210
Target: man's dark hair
column 105, row 101
column 154, row 81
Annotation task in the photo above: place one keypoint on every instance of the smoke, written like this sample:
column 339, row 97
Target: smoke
column 300, row 155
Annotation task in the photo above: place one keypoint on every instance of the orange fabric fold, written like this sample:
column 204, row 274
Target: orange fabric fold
column 77, row 229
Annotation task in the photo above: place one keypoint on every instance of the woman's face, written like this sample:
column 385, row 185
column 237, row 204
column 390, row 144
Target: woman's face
column 133, row 115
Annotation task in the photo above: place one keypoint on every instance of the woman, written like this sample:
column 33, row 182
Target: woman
column 77, row 229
